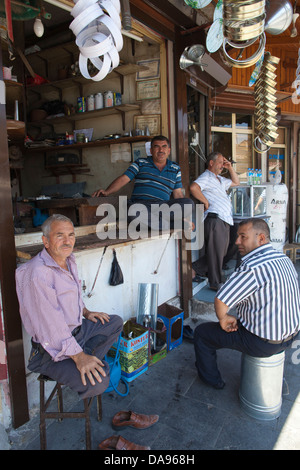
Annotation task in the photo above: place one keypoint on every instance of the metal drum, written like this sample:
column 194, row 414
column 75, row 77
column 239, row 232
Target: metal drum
column 261, row 386
column 147, row 307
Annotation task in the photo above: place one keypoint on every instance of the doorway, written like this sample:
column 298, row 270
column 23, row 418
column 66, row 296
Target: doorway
column 197, row 132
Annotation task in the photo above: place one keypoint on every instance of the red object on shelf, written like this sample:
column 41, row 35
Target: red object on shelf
column 37, row 80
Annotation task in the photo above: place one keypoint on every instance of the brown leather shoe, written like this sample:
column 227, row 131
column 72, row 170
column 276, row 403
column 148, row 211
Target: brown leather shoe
column 120, row 443
column 134, row 420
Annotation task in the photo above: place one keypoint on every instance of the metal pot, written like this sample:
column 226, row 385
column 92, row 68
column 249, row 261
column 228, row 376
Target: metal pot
column 279, row 15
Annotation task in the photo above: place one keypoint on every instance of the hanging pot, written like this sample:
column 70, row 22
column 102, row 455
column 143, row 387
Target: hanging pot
column 279, row 15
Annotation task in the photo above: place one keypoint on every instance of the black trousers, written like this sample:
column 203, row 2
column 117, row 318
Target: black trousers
column 209, row 337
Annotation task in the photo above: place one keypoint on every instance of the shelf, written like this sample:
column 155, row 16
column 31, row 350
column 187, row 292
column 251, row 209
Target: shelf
column 96, row 143
column 15, row 129
column 121, row 109
column 13, row 90
column 79, row 81
column 68, row 169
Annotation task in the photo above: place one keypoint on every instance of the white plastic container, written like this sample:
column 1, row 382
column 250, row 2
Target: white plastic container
column 90, row 103
column 98, row 100
column 108, row 99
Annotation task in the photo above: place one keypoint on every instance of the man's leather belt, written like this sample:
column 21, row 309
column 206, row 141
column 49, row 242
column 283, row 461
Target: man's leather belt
column 212, row 215
column 283, row 340
column 40, row 348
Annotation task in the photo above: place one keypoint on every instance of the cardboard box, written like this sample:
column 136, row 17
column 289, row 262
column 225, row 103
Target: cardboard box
column 133, row 351
column 173, row 321
column 155, row 357
column 161, row 336
column 160, row 332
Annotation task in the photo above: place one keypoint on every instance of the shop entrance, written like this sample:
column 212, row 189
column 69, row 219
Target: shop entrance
column 197, row 132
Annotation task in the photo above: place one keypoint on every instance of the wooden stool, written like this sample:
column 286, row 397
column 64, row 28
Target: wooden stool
column 289, row 250
column 60, row 414
column 296, row 247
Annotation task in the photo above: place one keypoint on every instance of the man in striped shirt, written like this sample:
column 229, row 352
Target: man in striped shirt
column 157, row 180
column 264, row 290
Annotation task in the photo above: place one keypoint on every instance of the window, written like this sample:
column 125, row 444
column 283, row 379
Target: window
column 232, row 135
column 276, row 155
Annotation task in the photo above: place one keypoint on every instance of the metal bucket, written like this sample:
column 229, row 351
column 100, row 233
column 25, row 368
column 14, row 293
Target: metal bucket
column 261, row 386
column 147, row 306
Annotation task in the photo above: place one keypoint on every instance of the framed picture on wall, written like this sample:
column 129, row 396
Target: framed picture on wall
column 150, row 121
column 153, row 69
column 148, row 89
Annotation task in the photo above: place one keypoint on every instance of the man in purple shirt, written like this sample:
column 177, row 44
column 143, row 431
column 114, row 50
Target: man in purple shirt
column 69, row 342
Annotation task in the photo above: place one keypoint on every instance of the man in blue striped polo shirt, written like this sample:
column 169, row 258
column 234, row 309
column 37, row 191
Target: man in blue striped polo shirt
column 157, row 181
column 264, row 289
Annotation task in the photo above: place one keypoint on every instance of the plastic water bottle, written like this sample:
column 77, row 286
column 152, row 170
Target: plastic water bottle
column 260, row 176
column 249, row 175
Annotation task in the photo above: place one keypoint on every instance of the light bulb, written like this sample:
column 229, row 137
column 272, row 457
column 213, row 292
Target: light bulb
column 38, row 27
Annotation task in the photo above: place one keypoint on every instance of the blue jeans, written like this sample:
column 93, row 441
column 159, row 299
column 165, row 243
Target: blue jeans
column 209, row 337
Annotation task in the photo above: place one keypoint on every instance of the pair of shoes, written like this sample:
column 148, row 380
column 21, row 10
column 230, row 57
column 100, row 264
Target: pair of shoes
column 216, row 288
column 120, row 443
column 187, row 332
column 218, row 386
column 198, row 278
column 129, row 418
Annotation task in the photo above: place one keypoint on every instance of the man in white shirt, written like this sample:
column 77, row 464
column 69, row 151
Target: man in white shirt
column 211, row 190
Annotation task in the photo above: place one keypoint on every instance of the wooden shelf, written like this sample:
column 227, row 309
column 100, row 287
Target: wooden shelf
column 68, row 169
column 121, row 109
column 13, row 90
column 15, row 129
column 80, row 81
column 96, row 143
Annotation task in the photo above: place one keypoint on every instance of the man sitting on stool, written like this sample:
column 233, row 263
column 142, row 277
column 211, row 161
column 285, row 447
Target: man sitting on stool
column 65, row 346
column 265, row 291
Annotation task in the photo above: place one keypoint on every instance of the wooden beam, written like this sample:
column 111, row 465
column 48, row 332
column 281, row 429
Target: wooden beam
column 11, row 316
column 283, row 41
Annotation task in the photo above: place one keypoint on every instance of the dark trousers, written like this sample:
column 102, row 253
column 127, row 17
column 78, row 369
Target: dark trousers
column 216, row 240
column 94, row 338
column 209, row 337
column 152, row 215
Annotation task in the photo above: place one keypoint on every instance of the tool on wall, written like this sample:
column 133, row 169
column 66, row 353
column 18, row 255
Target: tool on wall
column 265, row 104
column 97, row 27
column 96, row 277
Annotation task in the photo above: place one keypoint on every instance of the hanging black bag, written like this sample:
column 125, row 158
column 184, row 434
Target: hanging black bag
column 116, row 275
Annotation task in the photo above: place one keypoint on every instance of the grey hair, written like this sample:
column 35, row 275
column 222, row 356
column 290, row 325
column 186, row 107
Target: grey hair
column 212, row 156
column 46, row 227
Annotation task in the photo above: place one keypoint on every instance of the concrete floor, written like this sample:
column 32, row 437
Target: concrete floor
column 192, row 416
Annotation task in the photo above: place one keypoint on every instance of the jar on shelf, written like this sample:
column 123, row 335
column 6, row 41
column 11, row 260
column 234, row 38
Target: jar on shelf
column 99, row 101
column 91, row 103
column 108, row 99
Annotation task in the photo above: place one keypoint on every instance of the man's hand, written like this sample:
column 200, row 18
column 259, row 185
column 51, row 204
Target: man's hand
column 89, row 366
column 100, row 192
column 95, row 316
column 228, row 323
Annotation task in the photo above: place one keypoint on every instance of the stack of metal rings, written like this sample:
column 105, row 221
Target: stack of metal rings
column 265, row 104
column 243, row 24
column 297, row 81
